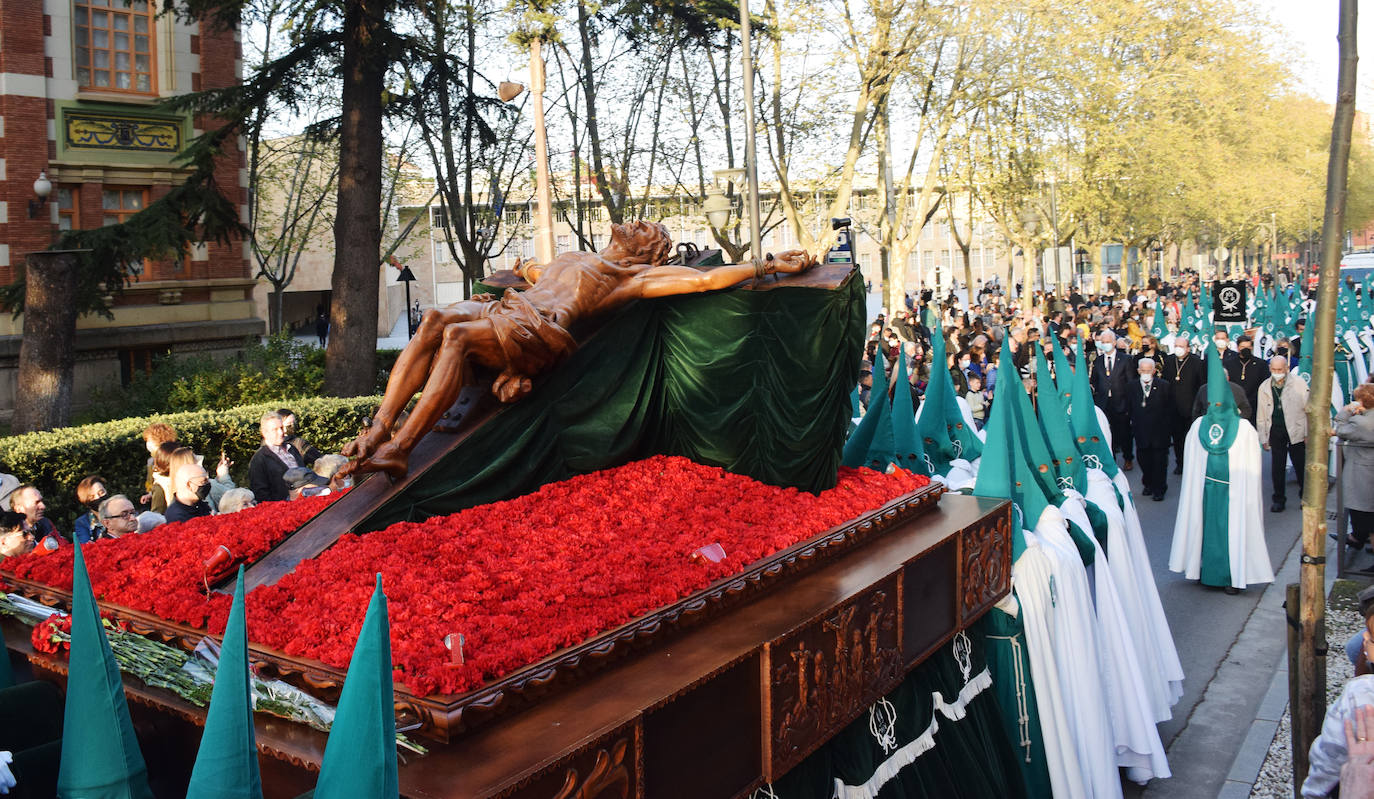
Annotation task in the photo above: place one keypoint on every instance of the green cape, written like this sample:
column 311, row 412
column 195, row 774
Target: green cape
column 1217, row 432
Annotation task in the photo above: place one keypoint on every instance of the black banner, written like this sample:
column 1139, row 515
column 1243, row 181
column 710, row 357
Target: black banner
column 1228, row 301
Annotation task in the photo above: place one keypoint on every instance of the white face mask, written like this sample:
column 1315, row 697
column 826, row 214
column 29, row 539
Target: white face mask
column 1181, row 349
column 1146, row 379
column 1220, row 342
column 1278, row 376
column 1103, row 346
column 964, row 363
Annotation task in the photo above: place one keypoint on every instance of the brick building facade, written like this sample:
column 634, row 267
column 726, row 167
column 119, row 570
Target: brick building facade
column 80, row 81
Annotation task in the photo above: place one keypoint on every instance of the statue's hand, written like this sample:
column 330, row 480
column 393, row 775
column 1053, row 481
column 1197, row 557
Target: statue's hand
column 791, row 262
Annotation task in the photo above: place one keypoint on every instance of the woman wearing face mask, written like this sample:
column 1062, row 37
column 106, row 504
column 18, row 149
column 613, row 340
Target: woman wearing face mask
column 90, row 492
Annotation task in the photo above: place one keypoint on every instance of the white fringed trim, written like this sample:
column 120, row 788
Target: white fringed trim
column 923, row 743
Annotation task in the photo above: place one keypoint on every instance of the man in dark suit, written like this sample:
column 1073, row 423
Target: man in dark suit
column 1184, row 373
column 1111, row 372
column 1152, row 412
column 1248, row 372
column 271, row 461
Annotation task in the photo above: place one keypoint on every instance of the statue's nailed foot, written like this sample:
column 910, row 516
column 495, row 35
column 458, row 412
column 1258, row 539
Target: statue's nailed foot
column 389, row 459
column 367, row 442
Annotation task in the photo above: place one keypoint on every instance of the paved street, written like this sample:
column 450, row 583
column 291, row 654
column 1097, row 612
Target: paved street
column 1230, row 647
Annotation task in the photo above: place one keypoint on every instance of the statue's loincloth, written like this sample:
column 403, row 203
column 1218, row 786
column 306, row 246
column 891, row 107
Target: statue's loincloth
column 530, row 343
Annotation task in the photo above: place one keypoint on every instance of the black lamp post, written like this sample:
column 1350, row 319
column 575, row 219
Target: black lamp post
column 407, row 277
column 1080, row 262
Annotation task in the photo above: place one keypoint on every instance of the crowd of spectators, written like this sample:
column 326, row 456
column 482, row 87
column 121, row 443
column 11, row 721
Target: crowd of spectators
column 177, row 487
column 1150, row 388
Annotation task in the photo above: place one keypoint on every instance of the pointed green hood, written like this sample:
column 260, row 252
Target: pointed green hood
column 1191, row 318
column 360, row 756
column 933, row 426
column 1219, row 424
column 100, row 754
column 1054, row 421
column 1063, row 376
column 1087, row 432
column 1035, row 452
column 856, row 407
column 996, row 475
column 944, row 434
column 227, row 763
column 906, row 443
column 1159, row 328
column 871, row 442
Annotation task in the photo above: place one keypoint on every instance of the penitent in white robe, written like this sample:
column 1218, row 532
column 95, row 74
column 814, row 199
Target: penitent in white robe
column 1124, row 685
column 1139, row 594
column 1249, row 557
column 1078, row 652
column 1033, row 578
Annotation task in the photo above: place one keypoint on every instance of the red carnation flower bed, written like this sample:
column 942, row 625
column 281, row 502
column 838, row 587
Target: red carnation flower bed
column 518, row 579
column 524, row 578
column 162, row 571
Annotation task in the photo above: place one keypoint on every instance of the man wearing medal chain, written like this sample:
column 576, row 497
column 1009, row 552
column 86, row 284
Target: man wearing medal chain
column 1248, row 372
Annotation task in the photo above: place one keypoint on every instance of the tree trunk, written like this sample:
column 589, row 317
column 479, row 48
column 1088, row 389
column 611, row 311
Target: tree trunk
column 274, row 308
column 1311, row 676
column 351, row 358
column 46, row 352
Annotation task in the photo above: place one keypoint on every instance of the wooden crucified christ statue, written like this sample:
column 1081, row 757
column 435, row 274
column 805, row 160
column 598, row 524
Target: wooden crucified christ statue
column 521, row 335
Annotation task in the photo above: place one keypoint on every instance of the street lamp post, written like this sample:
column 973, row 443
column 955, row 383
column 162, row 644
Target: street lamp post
column 543, row 224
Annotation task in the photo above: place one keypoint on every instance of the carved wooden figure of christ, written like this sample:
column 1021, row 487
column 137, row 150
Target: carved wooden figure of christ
column 521, row 335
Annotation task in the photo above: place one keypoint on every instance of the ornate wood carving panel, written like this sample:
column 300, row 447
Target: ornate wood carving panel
column 985, row 556
column 606, row 768
column 822, row 675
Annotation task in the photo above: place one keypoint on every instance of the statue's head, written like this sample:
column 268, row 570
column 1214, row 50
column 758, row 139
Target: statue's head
column 639, row 243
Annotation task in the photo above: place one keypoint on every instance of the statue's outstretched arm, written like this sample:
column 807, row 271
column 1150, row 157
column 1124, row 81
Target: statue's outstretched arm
column 664, row 281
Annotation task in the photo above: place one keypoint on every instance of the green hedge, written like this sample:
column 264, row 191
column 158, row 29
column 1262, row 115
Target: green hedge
column 56, row 461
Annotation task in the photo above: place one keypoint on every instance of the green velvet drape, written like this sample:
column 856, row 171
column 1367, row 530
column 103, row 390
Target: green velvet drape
column 757, row 382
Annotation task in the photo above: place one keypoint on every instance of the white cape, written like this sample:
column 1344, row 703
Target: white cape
column 1079, row 655
column 1246, row 546
column 1130, row 564
column 1130, row 704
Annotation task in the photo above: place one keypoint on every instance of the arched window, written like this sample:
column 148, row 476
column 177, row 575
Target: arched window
column 114, row 46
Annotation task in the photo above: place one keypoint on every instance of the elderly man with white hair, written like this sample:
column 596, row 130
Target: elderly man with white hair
column 1111, row 374
column 191, row 485
column 1152, row 406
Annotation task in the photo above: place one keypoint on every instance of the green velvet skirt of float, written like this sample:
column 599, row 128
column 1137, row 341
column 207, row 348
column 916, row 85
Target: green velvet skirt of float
column 756, row 382
column 1004, row 641
column 1216, row 490
column 939, row 734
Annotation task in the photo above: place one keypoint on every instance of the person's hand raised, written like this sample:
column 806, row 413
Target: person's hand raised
column 1357, row 774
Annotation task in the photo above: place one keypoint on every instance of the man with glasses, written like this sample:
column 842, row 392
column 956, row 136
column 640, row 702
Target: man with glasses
column 118, row 515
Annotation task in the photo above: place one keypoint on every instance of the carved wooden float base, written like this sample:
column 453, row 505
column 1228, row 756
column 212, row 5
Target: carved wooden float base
column 711, row 713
